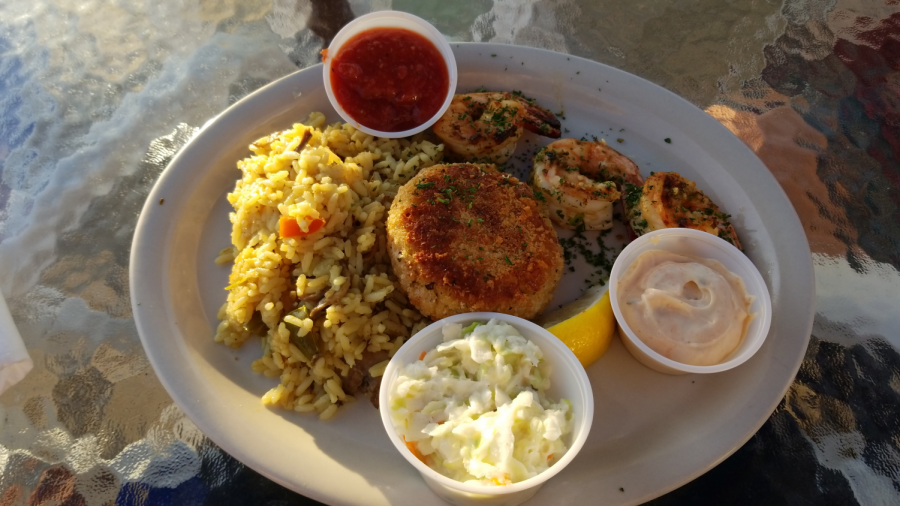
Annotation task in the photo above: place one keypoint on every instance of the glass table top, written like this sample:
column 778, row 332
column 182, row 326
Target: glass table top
column 97, row 97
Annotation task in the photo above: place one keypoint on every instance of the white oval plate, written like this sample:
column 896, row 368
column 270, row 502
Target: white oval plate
column 651, row 433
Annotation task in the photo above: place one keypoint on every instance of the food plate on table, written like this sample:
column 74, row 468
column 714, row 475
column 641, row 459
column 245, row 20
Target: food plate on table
column 651, row 432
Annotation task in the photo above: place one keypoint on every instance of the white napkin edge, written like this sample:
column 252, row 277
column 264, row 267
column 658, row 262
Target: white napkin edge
column 15, row 362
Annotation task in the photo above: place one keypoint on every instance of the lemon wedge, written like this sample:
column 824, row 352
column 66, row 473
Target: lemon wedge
column 585, row 325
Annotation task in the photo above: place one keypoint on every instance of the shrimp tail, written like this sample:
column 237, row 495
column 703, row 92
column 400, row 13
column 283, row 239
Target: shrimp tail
column 501, row 135
column 497, row 137
column 541, row 121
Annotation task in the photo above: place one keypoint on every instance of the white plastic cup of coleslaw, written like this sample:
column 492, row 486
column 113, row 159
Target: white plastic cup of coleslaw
column 568, row 380
column 697, row 244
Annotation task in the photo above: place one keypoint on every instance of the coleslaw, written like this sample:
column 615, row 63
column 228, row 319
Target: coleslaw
column 475, row 410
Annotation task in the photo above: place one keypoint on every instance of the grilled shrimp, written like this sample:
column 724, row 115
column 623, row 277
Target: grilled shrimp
column 580, row 181
column 485, row 127
column 668, row 200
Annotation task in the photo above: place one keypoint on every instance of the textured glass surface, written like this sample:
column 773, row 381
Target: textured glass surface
column 96, row 97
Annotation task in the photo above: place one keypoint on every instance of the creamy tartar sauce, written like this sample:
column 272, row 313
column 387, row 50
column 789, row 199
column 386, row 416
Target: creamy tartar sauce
column 691, row 310
column 474, row 408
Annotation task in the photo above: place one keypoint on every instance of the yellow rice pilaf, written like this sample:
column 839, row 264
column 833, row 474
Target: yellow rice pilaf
column 348, row 179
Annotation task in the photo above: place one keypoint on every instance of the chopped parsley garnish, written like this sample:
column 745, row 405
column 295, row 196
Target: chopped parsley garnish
column 578, row 244
column 633, row 194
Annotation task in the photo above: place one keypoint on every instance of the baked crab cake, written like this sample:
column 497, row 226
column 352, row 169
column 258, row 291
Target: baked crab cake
column 466, row 238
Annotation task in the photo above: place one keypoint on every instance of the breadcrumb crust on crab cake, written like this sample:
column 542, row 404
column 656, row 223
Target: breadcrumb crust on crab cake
column 466, row 238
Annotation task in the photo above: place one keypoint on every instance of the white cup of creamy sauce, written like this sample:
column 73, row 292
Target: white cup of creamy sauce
column 671, row 287
column 567, row 380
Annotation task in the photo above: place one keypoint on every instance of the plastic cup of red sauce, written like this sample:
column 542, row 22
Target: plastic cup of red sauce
column 390, row 74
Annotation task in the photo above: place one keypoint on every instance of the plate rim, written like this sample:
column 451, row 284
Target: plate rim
column 138, row 273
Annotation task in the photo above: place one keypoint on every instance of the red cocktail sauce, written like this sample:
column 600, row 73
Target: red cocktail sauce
column 389, row 79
